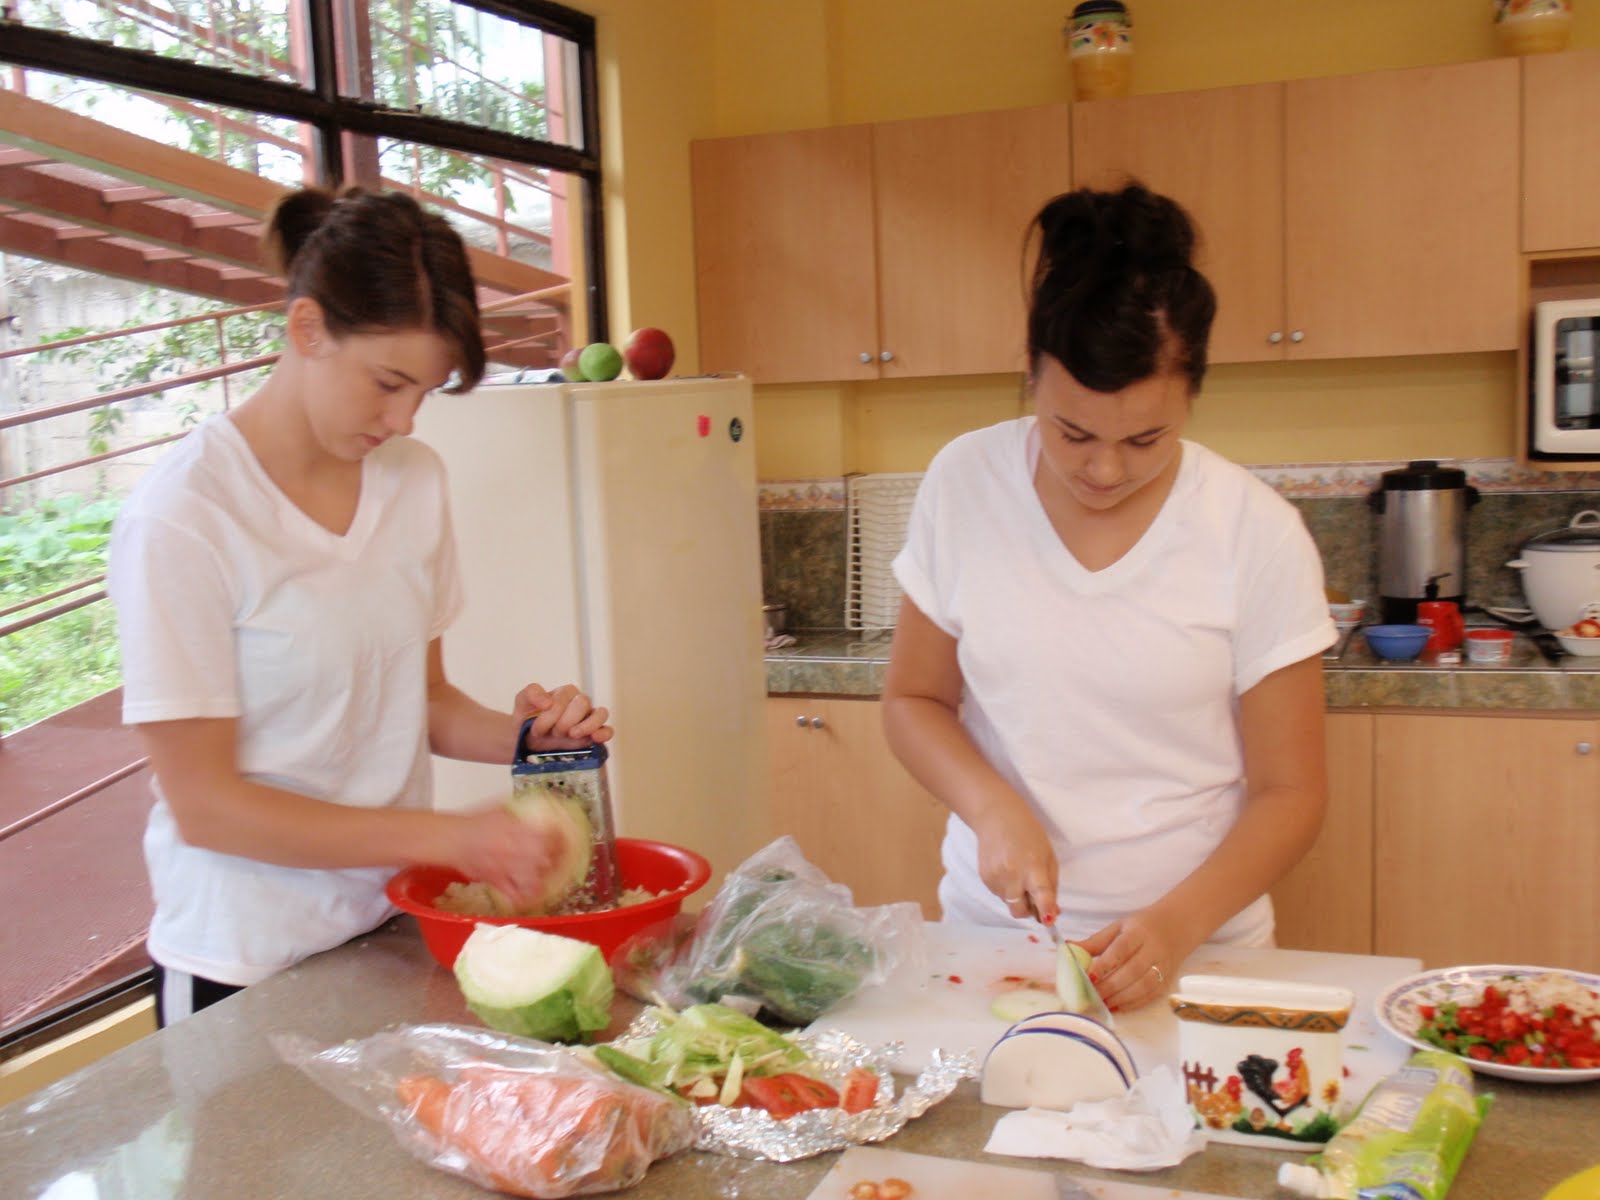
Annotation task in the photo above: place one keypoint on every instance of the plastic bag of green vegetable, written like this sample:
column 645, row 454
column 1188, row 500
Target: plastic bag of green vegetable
column 779, row 933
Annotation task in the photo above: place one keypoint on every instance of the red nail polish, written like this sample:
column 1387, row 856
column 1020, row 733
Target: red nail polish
column 1093, row 978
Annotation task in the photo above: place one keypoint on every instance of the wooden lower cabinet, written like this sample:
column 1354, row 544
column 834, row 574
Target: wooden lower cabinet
column 1487, row 839
column 856, row 813
column 1451, row 838
column 1325, row 903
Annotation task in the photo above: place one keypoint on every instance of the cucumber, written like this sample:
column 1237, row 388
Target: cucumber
column 1023, row 1002
column 1076, row 993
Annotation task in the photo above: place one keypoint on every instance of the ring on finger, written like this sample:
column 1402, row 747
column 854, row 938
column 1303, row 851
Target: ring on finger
column 1161, row 977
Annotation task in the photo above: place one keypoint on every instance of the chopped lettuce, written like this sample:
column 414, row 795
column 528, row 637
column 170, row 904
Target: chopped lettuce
column 702, row 1043
column 535, row 984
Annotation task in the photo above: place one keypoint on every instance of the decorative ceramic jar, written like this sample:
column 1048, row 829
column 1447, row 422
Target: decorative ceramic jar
column 1099, row 37
column 1533, row 26
column 1262, row 1061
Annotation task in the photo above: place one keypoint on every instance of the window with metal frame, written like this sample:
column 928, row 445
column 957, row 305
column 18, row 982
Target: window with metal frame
column 144, row 141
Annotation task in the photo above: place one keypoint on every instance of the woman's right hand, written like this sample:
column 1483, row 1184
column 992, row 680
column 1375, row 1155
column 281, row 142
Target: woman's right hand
column 1016, row 861
column 509, row 854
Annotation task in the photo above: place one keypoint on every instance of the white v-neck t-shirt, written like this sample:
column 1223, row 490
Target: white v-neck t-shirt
column 1109, row 699
column 232, row 602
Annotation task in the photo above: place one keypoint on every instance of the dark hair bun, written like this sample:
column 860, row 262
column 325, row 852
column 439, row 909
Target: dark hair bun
column 291, row 225
column 378, row 262
column 1115, row 293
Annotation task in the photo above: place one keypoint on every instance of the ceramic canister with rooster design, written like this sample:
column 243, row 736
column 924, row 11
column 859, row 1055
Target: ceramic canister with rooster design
column 1262, row 1059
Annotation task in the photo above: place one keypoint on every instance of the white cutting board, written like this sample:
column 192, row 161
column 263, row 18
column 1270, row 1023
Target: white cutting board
column 940, row 1013
column 933, row 1178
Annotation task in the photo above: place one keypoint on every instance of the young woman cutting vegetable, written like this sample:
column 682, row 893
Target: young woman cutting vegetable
column 1107, row 660
column 282, row 581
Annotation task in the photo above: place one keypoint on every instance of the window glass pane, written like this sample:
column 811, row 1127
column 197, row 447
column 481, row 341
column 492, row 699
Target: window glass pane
column 281, row 150
column 264, row 38
column 450, row 60
column 523, row 223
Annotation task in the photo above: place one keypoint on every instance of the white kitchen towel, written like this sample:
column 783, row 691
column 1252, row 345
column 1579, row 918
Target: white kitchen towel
column 1147, row 1129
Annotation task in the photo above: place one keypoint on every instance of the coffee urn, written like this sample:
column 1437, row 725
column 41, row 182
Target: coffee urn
column 1422, row 537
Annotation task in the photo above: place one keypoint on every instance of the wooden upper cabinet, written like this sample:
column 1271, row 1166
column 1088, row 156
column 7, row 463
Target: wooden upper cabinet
column 1401, row 209
column 955, row 196
column 1560, row 166
column 1219, row 153
column 872, row 251
column 784, row 259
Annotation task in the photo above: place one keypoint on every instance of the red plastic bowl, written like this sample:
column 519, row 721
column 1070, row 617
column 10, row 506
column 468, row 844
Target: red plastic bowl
column 656, row 866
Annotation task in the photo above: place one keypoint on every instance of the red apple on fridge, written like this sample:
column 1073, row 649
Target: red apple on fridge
column 648, row 353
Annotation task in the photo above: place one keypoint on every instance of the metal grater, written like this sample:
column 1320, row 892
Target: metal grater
column 577, row 777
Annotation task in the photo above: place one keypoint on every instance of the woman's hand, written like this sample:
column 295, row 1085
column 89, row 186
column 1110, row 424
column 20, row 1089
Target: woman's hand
column 498, row 848
column 564, row 719
column 1016, row 861
column 1136, row 959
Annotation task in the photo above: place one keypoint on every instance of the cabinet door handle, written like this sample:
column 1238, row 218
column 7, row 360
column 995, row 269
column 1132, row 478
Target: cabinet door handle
column 1299, row 335
column 866, row 356
column 1585, row 747
column 818, row 723
column 886, row 356
column 1275, row 337
column 801, row 722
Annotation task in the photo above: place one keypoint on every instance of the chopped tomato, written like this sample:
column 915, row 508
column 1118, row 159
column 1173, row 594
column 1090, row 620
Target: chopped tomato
column 785, row 1095
column 860, row 1090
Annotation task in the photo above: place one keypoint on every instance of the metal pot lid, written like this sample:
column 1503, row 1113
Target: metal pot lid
column 1423, row 475
column 1580, row 535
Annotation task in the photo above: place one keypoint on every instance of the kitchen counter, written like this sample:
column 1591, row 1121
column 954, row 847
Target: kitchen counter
column 852, row 664
column 206, row 1110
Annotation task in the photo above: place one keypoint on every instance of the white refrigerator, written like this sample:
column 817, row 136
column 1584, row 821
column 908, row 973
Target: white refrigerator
column 608, row 536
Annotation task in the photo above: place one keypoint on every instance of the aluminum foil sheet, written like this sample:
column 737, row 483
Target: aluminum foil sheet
column 752, row 1133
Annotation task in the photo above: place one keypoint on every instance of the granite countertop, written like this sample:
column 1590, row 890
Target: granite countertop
column 852, row 664
column 206, row 1109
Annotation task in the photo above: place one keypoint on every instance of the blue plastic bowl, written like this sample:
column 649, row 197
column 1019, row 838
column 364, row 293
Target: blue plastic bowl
column 1398, row 643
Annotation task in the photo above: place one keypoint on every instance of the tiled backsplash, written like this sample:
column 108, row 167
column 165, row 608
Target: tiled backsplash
column 803, row 529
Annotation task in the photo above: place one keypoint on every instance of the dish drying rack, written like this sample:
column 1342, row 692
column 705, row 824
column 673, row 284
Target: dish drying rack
column 877, row 511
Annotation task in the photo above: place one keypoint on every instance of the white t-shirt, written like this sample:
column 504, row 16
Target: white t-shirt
column 232, row 602
column 1109, row 699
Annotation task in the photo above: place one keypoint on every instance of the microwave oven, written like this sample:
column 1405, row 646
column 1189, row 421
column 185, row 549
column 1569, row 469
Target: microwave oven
column 1564, row 392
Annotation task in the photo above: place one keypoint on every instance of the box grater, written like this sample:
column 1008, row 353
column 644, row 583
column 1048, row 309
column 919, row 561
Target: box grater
column 576, row 778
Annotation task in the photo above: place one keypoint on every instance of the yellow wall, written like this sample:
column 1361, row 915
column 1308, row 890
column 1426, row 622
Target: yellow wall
column 698, row 68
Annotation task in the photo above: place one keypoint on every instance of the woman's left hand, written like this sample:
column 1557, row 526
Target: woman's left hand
column 564, row 719
column 1136, row 959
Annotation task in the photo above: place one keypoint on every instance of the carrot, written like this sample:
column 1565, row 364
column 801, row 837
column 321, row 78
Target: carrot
column 542, row 1135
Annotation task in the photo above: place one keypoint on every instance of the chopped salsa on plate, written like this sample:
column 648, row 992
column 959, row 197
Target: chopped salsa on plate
column 1547, row 1020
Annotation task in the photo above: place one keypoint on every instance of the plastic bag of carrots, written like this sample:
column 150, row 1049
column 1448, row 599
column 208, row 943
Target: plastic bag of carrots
column 518, row 1116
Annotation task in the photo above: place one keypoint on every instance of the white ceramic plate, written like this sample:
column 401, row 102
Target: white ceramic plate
column 1397, row 1012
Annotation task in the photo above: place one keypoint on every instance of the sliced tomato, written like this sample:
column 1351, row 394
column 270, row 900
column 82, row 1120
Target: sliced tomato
column 772, row 1093
column 860, row 1090
column 813, row 1093
column 785, row 1095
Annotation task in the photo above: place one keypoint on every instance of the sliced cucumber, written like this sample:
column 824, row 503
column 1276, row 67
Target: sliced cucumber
column 1072, row 978
column 1023, row 1002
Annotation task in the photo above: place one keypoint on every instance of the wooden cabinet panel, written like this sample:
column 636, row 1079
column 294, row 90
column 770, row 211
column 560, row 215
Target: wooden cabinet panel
column 784, row 263
column 901, row 243
column 851, row 806
column 1219, row 153
column 1401, row 210
column 1487, row 840
column 1325, row 903
column 955, row 195
column 1561, row 170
